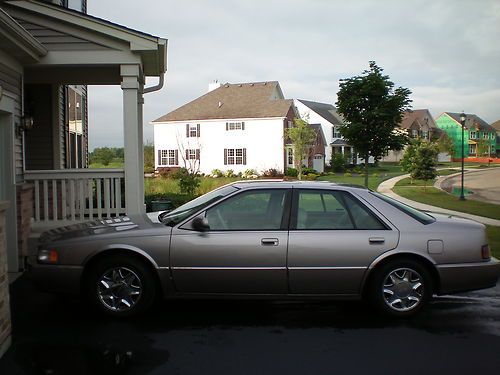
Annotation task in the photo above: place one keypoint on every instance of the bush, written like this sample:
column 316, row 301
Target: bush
column 176, row 199
column 338, row 162
column 249, row 172
column 217, row 173
column 188, row 182
column 272, row 172
column 306, row 171
column 347, row 174
column 230, row 173
column 310, row 177
column 291, row 172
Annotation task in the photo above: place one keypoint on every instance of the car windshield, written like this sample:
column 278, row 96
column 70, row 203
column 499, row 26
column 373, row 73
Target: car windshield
column 180, row 213
column 413, row 212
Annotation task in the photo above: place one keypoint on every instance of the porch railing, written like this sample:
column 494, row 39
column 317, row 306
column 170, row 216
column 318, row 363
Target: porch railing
column 75, row 195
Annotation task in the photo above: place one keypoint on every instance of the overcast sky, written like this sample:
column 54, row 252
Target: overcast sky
column 447, row 52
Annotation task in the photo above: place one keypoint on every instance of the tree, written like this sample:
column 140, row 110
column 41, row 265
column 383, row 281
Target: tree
column 483, row 147
column 301, row 136
column 445, row 144
column 425, row 162
column 103, row 155
column 149, row 158
column 372, row 110
column 408, row 161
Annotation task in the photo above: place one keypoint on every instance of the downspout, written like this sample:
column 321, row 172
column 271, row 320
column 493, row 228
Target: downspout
column 158, row 86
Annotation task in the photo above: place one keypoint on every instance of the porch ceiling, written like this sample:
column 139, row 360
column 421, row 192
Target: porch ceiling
column 82, row 49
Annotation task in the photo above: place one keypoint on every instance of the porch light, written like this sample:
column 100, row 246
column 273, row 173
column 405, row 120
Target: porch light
column 462, row 122
column 25, row 124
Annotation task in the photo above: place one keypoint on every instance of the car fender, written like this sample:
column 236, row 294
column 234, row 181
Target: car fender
column 125, row 247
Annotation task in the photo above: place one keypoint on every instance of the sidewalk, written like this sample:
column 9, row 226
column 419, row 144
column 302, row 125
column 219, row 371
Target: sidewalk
column 386, row 188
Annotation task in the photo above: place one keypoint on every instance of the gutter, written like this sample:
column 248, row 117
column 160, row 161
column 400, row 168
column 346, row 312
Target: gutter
column 156, row 87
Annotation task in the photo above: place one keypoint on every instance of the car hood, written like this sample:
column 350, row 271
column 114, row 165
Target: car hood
column 119, row 226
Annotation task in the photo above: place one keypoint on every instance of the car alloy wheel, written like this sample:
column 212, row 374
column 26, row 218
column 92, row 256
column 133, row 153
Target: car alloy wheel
column 119, row 289
column 403, row 289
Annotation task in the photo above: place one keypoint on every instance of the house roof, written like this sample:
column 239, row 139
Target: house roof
column 325, row 110
column 420, row 117
column 496, row 125
column 234, row 101
column 319, row 131
column 472, row 121
column 52, row 24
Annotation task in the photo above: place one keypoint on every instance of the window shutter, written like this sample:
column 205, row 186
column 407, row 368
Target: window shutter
column 244, row 156
column 187, row 130
column 243, row 125
column 198, row 130
column 159, row 157
column 187, row 155
column 225, row 156
column 227, row 126
column 176, row 157
column 198, row 154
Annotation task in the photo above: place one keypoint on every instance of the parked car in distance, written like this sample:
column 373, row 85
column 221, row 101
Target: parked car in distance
column 270, row 239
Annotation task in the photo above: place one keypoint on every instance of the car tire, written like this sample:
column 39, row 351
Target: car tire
column 400, row 288
column 120, row 286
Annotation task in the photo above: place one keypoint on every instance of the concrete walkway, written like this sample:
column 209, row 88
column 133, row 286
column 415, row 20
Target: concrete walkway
column 387, row 186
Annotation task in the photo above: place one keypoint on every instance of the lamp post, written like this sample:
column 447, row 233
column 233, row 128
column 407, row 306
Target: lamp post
column 462, row 121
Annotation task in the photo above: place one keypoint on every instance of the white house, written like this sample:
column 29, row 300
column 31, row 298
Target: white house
column 326, row 115
column 232, row 127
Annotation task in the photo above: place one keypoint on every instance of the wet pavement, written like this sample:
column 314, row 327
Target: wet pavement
column 60, row 335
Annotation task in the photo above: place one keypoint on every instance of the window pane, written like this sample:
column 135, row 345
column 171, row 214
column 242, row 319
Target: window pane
column 252, row 210
column 363, row 219
column 322, row 210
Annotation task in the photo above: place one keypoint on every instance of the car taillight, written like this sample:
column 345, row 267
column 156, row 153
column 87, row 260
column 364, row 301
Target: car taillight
column 48, row 256
column 485, row 252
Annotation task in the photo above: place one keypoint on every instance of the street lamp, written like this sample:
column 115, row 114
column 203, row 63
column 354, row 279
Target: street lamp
column 462, row 121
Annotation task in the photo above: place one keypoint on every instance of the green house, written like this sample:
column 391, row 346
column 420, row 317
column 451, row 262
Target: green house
column 479, row 137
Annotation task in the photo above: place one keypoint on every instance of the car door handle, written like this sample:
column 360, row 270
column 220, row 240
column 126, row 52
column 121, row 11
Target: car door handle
column 376, row 240
column 269, row 241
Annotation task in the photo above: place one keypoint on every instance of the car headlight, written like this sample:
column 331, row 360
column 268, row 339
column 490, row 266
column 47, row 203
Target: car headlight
column 48, row 256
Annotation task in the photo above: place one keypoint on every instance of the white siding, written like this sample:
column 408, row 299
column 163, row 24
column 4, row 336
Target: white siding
column 262, row 139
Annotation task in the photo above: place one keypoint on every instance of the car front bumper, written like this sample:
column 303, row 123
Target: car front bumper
column 463, row 277
column 55, row 278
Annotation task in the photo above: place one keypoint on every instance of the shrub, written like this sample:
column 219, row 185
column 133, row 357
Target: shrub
column 291, row 172
column 230, row 173
column 375, row 175
column 217, row 173
column 306, row 171
column 249, row 172
column 310, row 176
column 347, row 174
column 272, row 172
column 338, row 162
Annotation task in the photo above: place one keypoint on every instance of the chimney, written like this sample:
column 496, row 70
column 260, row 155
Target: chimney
column 214, row 85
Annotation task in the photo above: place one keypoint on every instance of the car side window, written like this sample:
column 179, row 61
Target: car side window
column 322, row 210
column 333, row 210
column 363, row 218
column 249, row 210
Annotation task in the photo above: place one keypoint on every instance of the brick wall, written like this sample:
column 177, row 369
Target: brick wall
column 24, row 215
column 5, row 323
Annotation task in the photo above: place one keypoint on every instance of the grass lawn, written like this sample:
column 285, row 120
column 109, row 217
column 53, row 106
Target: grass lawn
column 439, row 198
column 494, row 240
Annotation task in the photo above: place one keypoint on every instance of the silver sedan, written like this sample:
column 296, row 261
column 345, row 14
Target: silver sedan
column 270, row 239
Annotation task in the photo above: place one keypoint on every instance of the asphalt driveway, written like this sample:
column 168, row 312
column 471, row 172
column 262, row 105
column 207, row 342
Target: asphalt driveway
column 484, row 184
column 56, row 335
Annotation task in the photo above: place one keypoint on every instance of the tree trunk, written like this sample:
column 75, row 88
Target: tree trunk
column 366, row 169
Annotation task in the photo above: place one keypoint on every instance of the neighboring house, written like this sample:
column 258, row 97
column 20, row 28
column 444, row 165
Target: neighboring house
column 480, row 138
column 496, row 126
column 234, row 127
column 48, row 54
column 418, row 123
column 330, row 121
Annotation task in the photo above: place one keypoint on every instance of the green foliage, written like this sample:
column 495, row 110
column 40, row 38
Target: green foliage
column 373, row 110
column 445, row 144
column 408, row 160
column 310, row 176
column 338, row 162
column 272, row 172
column 249, row 172
column 188, row 182
column 301, row 136
column 483, row 147
column 306, row 171
column 149, row 158
column 217, row 173
column 105, row 155
column 291, row 172
column 425, row 162
column 230, row 173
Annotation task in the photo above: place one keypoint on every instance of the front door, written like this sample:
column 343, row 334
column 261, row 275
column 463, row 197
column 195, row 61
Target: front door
column 333, row 238
column 244, row 252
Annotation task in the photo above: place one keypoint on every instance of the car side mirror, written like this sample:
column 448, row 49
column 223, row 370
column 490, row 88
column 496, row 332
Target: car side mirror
column 200, row 224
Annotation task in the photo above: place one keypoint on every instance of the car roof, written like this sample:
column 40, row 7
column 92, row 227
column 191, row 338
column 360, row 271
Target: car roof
column 260, row 183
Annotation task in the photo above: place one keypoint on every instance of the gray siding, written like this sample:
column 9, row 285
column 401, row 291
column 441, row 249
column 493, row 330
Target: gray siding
column 11, row 81
column 55, row 40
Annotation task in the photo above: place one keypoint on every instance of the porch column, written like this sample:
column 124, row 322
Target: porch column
column 140, row 106
column 132, row 129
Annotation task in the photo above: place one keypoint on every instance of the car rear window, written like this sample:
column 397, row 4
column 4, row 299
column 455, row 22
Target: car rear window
column 418, row 215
